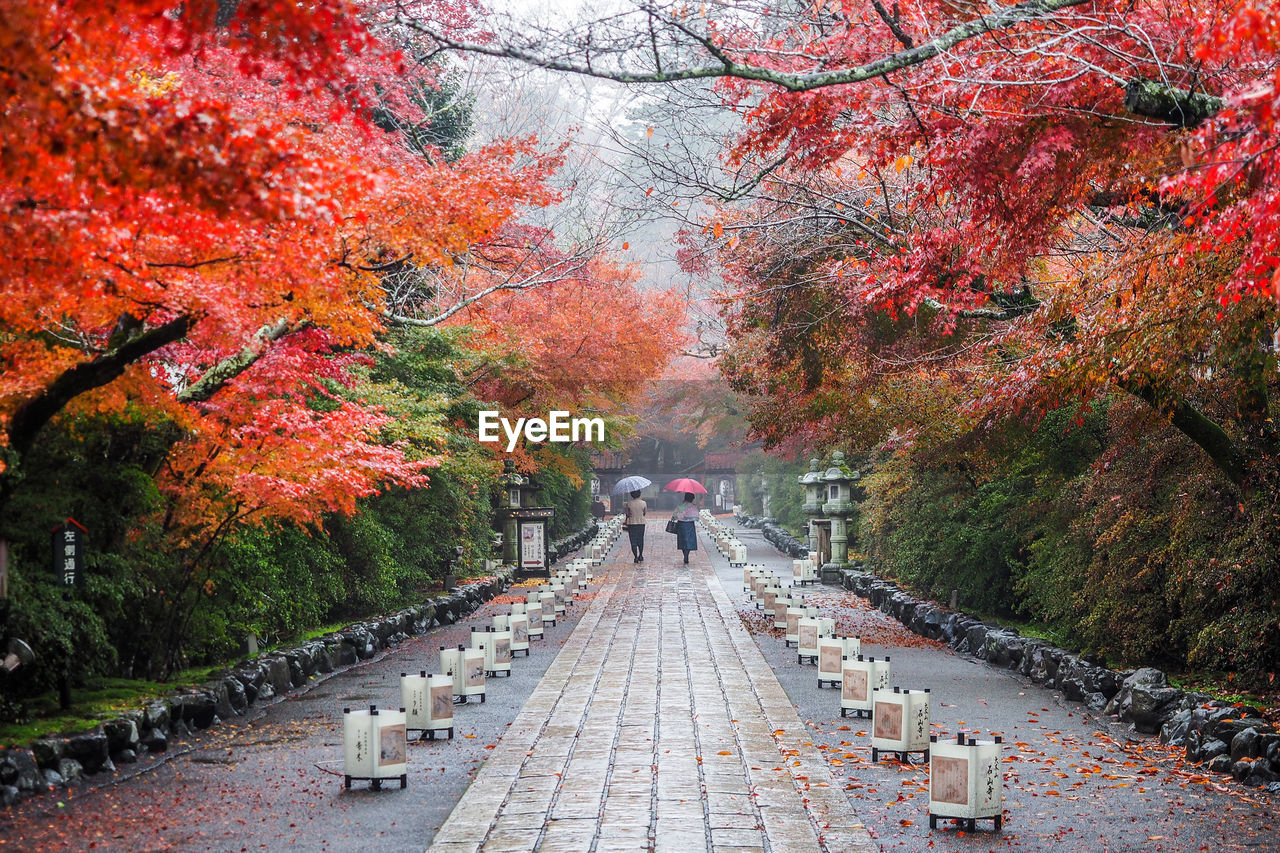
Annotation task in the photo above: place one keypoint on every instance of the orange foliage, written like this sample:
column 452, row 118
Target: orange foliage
column 172, row 188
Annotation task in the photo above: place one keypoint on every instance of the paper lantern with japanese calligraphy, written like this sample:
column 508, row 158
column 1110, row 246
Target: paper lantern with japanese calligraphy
column 428, row 703
column 803, row 572
column 810, row 630
column 375, row 746
column 780, row 606
column 794, row 615
column 900, row 723
column 466, row 668
column 548, row 599
column 859, row 680
column 533, row 610
column 558, row 598
column 831, row 654
column 737, row 553
column 497, row 650
column 518, row 625
column 769, row 599
column 965, row 780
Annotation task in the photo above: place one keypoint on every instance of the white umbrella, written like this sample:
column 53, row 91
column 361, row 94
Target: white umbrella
column 633, row 483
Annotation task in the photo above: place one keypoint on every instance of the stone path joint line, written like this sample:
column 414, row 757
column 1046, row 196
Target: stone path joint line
column 659, row 726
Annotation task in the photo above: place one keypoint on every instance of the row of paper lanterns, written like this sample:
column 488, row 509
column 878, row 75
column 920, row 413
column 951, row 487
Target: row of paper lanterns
column 375, row 741
column 965, row 777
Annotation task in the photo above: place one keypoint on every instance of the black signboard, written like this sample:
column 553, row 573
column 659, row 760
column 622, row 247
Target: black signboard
column 69, row 542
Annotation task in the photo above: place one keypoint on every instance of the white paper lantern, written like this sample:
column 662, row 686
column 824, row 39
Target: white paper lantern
column 794, row 615
column 780, row 606
column 518, row 625
column 770, row 597
column 533, row 610
column 737, row 553
column 375, row 746
column 899, row 722
column 803, row 572
column 549, row 611
column 466, row 668
column 966, row 781
column 810, row 630
column 497, row 650
column 428, row 703
column 558, row 598
column 859, row 680
column 831, row 654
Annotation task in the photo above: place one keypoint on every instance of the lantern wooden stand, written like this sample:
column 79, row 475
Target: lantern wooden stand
column 900, row 723
column 966, row 782
column 428, row 700
column 375, row 747
column 832, row 652
column 859, row 680
column 466, row 667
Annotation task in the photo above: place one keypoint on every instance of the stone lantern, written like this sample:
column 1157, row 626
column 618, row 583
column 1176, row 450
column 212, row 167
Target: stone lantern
column 839, row 508
column 815, row 495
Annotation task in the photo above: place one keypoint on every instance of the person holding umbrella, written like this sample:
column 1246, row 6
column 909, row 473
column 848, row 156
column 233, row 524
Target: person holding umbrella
column 634, row 522
column 686, row 514
column 634, row 512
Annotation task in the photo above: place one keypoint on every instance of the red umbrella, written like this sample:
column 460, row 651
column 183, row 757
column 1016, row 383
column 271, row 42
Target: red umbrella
column 684, row 484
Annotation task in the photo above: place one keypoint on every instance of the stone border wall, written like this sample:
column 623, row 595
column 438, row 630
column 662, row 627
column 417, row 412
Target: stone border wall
column 773, row 534
column 57, row 760
column 1225, row 738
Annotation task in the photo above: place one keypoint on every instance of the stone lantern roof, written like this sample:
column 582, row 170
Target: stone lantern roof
column 814, row 475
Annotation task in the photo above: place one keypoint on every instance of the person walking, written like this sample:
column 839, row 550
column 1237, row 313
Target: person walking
column 686, row 533
column 634, row 522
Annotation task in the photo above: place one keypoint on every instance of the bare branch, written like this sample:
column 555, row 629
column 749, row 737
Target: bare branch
column 1002, row 18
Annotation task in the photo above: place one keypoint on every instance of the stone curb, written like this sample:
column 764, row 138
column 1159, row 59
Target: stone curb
column 57, row 760
column 1227, row 738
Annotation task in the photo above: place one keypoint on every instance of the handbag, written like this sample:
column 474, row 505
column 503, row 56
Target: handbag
column 673, row 526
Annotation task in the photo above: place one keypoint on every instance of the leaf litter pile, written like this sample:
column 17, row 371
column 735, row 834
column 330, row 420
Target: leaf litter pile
column 854, row 616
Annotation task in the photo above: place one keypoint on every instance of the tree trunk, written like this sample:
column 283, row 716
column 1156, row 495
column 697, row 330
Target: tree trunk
column 1208, row 435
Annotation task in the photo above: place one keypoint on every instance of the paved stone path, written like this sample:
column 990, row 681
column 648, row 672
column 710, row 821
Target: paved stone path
column 658, row 727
